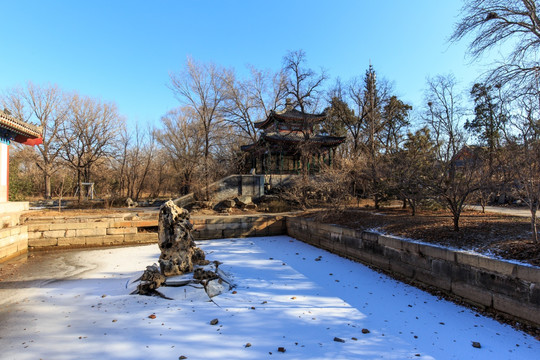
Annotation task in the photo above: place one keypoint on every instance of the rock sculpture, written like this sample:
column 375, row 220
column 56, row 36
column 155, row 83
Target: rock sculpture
column 181, row 262
column 178, row 250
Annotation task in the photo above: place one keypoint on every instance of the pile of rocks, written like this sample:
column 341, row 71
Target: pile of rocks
column 243, row 202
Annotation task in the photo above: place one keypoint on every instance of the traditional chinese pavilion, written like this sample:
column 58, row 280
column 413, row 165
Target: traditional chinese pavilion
column 288, row 143
column 12, row 129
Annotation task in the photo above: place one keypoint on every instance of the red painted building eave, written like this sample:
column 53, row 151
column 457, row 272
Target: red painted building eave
column 28, row 141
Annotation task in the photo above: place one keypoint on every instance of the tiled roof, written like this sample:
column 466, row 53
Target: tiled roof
column 323, row 140
column 290, row 116
column 295, row 138
column 19, row 127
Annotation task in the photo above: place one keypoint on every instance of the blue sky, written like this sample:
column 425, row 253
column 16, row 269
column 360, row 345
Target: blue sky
column 123, row 51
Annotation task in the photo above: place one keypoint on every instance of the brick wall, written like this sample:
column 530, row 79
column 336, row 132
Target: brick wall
column 507, row 287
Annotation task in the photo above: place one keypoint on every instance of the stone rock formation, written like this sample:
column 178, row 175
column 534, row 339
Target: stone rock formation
column 130, row 203
column 181, row 262
column 178, row 250
column 150, row 280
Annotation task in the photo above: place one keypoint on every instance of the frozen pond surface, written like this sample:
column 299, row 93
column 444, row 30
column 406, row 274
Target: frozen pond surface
column 76, row 305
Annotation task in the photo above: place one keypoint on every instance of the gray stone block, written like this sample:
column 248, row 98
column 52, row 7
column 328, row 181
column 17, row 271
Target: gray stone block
column 498, row 266
column 528, row 273
column 473, row 294
column 427, row 277
column 390, row 241
column 436, row 252
column 517, row 308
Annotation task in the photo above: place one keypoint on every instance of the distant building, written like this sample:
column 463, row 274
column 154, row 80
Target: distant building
column 12, row 129
column 289, row 145
column 470, row 155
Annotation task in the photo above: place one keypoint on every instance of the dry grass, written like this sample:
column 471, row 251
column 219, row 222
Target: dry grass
column 505, row 236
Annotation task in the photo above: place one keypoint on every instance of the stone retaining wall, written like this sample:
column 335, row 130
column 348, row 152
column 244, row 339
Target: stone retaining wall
column 88, row 231
column 127, row 229
column 223, row 227
column 510, row 288
column 13, row 235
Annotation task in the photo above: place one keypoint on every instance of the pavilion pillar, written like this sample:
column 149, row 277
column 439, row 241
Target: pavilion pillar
column 330, row 158
column 4, row 172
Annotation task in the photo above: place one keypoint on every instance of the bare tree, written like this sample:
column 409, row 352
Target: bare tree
column 453, row 178
column 47, row 106
column 201, row 87
column 525, row 157
column 303, row 84
column 136, row 159
column 412, row 166
column 444, row 115
column 251, row 100
column 514, row 22
column 89, row 135
column 349, row 116
column 182, row 138
column 162, row 176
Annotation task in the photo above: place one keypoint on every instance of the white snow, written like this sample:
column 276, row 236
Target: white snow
column 284, row 298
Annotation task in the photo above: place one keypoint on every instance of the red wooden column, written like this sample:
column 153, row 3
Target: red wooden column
column 4, row 172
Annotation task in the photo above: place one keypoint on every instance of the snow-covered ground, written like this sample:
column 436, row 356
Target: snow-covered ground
column 285, row 298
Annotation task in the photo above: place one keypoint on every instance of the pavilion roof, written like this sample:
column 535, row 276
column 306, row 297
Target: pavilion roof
column 293, row 138
column 19, row 127
column 290, row 116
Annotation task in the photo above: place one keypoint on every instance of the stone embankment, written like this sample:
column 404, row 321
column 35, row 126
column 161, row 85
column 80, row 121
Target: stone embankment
column 510, row 288
column 130, row 229
column 89, row 230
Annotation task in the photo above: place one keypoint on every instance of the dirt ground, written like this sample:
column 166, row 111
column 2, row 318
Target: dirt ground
column 505, row 236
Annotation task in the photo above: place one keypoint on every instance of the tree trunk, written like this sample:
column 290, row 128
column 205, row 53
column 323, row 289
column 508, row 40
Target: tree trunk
column 377, row 201
column 47, row 178
column 412, row 205
column 456, row 221
column 79, row 181
column 534, row 208
column 483, row 201
column 206, row 180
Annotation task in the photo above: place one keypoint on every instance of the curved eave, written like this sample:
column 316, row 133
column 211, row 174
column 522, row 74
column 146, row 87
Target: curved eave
column 21, row 139
column 20, row 127
column 310, row 118
column 249, row 147
column 322, row 141
column 290, row 116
